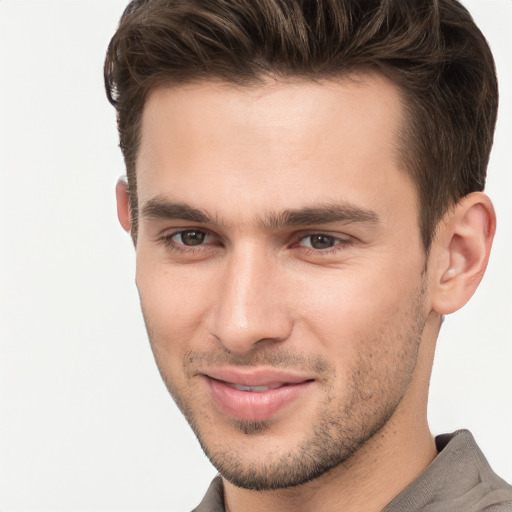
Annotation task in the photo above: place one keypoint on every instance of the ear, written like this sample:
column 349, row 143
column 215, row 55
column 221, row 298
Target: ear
column 462, row 246
column 123, row 205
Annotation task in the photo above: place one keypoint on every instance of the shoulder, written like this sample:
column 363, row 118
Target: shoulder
column 458, row 480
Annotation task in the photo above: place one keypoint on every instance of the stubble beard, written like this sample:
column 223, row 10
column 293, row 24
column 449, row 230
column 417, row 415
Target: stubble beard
column 375, row 393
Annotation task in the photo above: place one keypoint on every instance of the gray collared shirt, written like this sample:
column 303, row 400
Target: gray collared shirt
column 458, row 480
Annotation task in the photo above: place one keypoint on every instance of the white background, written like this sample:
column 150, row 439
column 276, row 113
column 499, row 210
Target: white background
column 85, row 423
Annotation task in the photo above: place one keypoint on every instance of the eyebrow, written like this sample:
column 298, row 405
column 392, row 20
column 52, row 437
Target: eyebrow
column 320, row 214
column 161, row 208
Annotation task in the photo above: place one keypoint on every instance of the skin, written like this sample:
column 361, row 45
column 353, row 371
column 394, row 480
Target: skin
column 356, row 310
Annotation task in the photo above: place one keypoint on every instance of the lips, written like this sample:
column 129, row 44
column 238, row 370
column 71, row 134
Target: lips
column 256, row 394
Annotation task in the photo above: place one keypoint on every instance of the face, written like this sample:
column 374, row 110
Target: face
column 280, row 269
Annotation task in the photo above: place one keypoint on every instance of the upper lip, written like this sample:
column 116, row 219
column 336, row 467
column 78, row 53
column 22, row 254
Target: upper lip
column 256, row 376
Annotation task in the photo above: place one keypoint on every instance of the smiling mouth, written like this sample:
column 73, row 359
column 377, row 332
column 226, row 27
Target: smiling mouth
column 256, row 401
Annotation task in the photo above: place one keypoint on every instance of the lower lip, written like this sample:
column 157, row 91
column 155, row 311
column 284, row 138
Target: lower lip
column 251, row 405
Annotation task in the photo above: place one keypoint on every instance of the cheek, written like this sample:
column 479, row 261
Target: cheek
column 371, row 335
column 350, row 306
column 173, row 305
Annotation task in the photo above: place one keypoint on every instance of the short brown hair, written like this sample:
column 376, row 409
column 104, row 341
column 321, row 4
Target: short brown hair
column 431, row 49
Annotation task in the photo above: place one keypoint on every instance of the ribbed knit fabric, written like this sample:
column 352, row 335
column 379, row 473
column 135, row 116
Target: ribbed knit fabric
column 458, row 480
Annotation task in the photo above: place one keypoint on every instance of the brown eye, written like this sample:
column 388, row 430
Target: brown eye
column 190, row 237
column 319, row 241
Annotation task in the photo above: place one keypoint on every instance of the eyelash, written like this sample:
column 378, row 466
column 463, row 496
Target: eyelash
column 167, row 241
column 340, row 243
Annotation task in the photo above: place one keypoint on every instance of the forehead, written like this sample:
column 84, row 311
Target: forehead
column 276, row 144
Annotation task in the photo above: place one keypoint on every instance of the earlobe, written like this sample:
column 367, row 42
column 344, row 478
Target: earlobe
column 123, row 205
column 463, row 244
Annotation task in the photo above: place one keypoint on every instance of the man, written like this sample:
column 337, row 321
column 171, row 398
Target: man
column 305, row 198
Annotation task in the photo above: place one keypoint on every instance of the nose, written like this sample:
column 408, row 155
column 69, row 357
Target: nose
column 250, row 306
